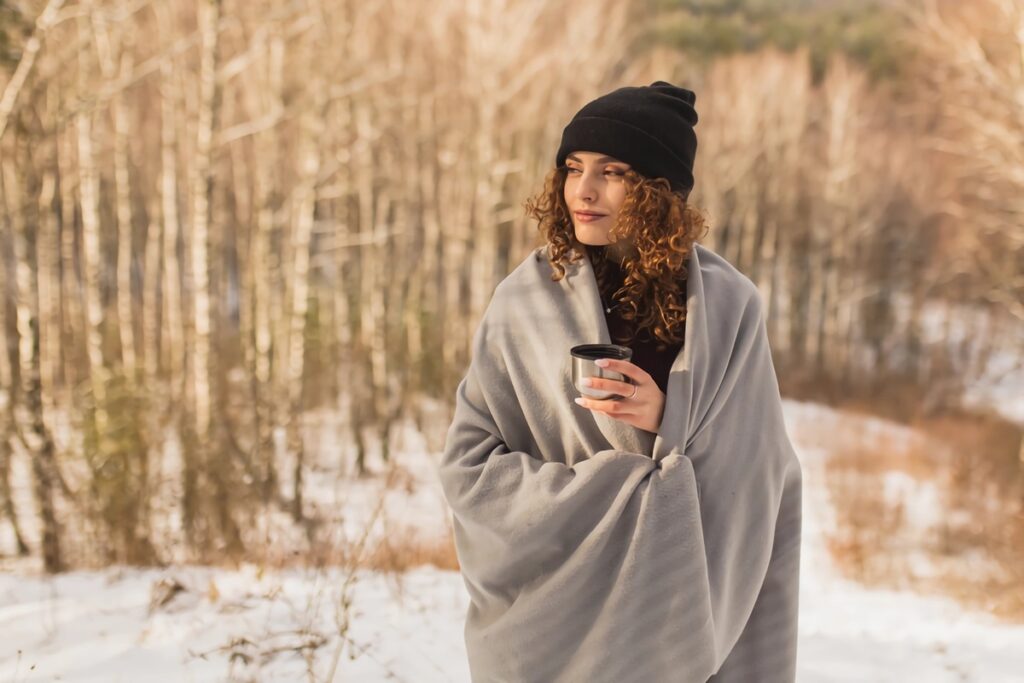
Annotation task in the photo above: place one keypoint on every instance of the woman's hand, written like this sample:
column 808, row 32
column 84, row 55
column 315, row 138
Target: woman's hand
column 641, row 409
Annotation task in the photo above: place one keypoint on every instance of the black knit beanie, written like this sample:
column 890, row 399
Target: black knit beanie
column 648, row 127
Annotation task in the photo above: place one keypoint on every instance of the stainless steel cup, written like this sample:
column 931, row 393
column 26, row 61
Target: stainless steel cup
column 583, row 358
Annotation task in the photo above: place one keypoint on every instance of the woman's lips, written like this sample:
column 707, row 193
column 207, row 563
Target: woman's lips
column 589, row 217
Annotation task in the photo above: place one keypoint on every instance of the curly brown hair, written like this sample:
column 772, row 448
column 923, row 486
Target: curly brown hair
column 662, row 228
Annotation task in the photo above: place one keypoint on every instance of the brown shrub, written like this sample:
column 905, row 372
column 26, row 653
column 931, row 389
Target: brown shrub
column 976, row 548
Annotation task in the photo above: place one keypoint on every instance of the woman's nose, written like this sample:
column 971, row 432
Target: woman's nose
column 585, row 188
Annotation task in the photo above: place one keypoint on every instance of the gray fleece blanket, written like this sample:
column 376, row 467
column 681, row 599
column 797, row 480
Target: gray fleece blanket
column 596, row 551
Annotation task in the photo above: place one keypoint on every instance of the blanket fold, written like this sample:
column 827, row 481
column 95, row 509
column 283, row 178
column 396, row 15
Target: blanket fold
column 596, row 551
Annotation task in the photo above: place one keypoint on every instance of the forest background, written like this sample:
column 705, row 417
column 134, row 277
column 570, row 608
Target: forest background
column 239, row 239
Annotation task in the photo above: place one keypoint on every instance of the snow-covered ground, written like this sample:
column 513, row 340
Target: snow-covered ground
column 852, row 633
column 247, row 625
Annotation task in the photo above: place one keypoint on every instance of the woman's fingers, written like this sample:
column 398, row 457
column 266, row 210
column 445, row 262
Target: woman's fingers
column 634, row 372
column 606, row 384
column 645, row 412
column 608, row 406
column 614, row 407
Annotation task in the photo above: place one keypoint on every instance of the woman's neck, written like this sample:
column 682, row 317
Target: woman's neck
column 609, row 253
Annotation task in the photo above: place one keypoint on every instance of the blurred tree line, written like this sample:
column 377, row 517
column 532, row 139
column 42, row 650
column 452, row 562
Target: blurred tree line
column 865, row 32
column 222, row 220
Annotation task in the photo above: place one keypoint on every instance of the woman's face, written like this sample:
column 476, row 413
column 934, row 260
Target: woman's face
column 594, row 192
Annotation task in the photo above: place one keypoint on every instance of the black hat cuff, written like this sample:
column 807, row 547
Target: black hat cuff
column 647, row 155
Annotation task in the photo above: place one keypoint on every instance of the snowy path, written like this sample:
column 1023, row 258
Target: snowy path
column 95, row 626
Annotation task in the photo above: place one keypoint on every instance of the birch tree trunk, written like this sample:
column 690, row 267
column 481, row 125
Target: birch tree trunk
column 47, row 266
column 172, row 283
column 365, row 379
column 818, row 300
column 122, row 179
column 429, row 302
column 211, row 482
column 202, row 181
column 108, row 59
column 421, row 166
column 304, row 207
column 843, row 95
column 8, row 293
column 264, row 272
column 93, row 266
column 72, row 299
column 6, row 493
column 153, row 299
column 484, row 74
column 36, row 433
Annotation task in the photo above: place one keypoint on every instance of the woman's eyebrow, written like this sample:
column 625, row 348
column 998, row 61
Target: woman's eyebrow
column 598, row 160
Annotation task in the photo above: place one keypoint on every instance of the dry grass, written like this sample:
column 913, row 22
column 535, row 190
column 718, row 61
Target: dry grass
column 975, row 550
column 868, row 540
column 382, row 544
column 405, row 550
column 403, row 547
column 984, row 487
column 396, row 553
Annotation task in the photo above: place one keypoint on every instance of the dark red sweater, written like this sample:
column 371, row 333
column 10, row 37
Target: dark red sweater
column 648, row 352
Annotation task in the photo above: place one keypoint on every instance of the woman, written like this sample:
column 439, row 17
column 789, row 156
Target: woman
column 650, row 538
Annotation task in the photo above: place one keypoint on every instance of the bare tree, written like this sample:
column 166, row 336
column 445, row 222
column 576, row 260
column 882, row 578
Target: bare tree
column 971, row 66
column 33, row 430
column 8, row 375
column 304, row 207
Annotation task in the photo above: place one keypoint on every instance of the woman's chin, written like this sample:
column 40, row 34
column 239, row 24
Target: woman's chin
column 592, row 238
